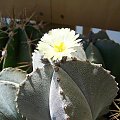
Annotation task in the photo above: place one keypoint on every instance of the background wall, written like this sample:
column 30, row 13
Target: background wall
column 103, row 14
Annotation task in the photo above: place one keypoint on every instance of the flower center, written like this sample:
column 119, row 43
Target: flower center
column 59, row 46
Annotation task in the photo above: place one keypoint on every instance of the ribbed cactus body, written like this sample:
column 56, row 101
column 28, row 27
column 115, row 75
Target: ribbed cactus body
column 17, row 46
column 69, row 89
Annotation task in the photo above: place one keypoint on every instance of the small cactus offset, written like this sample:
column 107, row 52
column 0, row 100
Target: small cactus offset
column 63, row 85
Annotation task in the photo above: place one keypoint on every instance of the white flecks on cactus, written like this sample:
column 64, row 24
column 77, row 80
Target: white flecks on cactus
column 59, row 43
column 95, row 71
column 36, row 60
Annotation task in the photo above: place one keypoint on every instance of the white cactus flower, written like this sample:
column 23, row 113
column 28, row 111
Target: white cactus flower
column 59, row 43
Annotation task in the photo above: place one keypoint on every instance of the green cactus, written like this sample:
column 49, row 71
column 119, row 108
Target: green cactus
column 16, row 46
column 78, row 90
column 7, row 102
column 10, row 79
column 110, row 52
column 72, row 89
column 93, row 54
column 33, row 96
column 106, row 52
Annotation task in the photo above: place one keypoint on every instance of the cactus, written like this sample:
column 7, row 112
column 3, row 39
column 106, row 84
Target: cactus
column 108, row 54
column 93, row 55
column 75, row 95
column 72, row 89
column 17, row 44
column 33, row 96
column 7, row 104
column 10, row 78
column 104, row 51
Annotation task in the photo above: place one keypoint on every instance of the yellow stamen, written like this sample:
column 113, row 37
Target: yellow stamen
column 59, row 46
